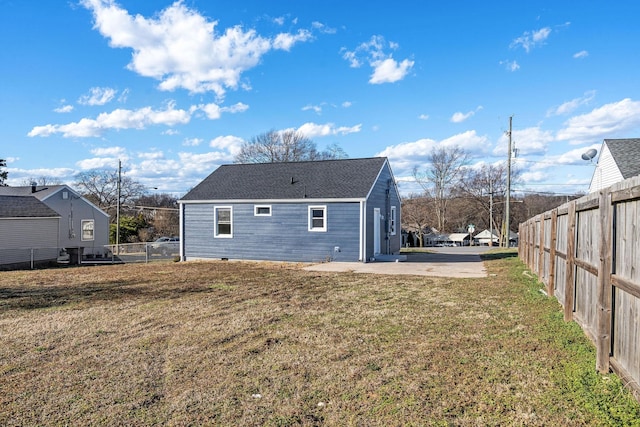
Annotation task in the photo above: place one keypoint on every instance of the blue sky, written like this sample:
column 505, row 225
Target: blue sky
column 173, row 88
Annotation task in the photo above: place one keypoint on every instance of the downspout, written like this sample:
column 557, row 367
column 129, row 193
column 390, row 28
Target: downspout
column 387, row 218
column 363, row 231
column 181, row 228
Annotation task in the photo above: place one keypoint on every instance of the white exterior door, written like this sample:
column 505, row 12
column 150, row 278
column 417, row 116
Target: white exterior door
column 377, row 220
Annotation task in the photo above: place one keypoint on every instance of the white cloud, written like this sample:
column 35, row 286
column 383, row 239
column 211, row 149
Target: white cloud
column 316, row 108
column 238, row 107
column 323, row 28
column 279, row 20
column 113, row 152
column 214, row 111
column 117, row 119
column 423, row 117
column 407, row 155
column 192, row 142
column 97, row 163
column 460, row 117
column 608, row 121
column 312, row 130
column 347, row 104
column 570, row 106
column 211, row 110
column 182, row 49
column 285, row 41
column 97, row 96
column 469, row 141
column 64, row 109
column 205, row 162
column 581, row 54
column 531, row 39
column 510, row 65
column 389, row 70
column 230, row 143
column 385, row 68
column 151, row 155
column 528, row 141
column 123, row 96
column 533, row 176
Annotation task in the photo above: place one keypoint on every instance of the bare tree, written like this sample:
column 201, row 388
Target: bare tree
column 101, row 188
column 484, row 188
column 440, row 178
column 42, row 181
column 415, row 216
column 285, row 146
column 161, row 213
column 3, row 173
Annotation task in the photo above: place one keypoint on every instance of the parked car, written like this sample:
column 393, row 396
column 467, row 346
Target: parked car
column 165, row 246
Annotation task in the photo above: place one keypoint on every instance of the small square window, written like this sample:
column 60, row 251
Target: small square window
column 262, row 210
column 317, row 218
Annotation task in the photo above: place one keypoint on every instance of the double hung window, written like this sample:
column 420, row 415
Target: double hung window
column 317, row 218
column 223, row 218
column 88, row 226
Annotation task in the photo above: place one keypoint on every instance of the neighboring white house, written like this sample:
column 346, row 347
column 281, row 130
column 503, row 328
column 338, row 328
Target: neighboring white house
column 459, row 239
column 82, row 228
column 492, row 238
column 619, row 160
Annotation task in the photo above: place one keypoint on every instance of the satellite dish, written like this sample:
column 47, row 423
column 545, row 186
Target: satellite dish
column 590, row 154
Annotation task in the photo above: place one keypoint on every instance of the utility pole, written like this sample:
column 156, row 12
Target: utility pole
column 491, row 210
column 118, row 210
column 508, row 200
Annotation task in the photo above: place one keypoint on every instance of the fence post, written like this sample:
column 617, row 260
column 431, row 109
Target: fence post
column 552, row 253
column 541, row 249
column 604, row 309
column 569, row 286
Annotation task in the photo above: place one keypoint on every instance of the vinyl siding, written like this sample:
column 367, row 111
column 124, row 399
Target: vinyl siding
column 20, row 235
column 283, row 236
column 73, row 211
column 378, row 199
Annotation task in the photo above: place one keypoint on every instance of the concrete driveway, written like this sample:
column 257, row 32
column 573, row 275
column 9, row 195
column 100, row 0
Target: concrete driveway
column 461, row 262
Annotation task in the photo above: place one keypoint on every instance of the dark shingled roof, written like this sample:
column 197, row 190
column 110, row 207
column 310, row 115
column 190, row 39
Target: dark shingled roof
column 42, row 192
column 327, row 179
column 626, row 153
column 24, row 207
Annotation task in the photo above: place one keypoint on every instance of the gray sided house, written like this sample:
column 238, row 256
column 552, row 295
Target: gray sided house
column 82, row 228
column 331, row 210
column 27, row 223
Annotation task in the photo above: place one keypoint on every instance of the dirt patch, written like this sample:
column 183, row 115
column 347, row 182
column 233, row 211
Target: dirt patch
column 455, row 265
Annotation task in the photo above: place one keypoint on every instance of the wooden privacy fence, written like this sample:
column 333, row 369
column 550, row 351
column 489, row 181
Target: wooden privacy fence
column 587, row 253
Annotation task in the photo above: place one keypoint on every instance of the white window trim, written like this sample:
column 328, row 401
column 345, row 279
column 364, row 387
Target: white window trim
column 215, row 222
column 256, row 207
column 324, row 218
column 393, row 222
column 93, row 230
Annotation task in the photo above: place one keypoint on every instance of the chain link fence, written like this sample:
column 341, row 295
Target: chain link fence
column 48, row 257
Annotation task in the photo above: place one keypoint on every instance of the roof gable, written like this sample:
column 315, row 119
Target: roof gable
column 626, row 154
column 42, row 193
column 24, row 207
column 326, row 179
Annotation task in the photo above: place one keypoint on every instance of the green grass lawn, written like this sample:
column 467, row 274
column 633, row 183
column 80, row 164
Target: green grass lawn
column 238, row 343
